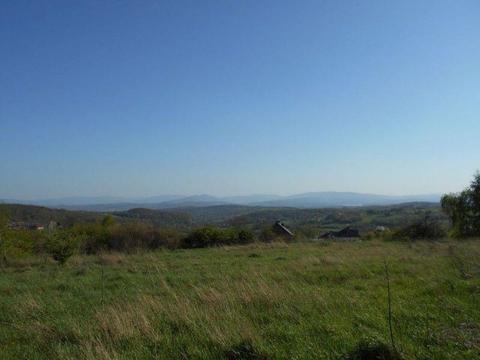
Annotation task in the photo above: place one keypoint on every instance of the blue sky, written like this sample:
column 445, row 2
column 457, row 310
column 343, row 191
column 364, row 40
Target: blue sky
column 139, row 98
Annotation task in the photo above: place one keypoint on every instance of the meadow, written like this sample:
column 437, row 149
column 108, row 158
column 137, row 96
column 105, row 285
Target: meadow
column 258, row 301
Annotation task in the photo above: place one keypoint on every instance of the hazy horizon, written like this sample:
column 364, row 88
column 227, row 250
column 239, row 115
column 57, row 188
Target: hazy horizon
column 172, row 197
column 231, row 99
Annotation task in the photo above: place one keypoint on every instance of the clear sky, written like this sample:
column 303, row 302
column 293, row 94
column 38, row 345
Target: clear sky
column 139, row 98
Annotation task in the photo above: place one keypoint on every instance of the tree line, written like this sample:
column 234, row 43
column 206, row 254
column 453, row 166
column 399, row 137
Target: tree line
column 463, row 209
column 107, row 235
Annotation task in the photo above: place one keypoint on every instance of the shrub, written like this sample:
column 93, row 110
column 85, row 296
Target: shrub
column 426, row 229
column 20, row 243
column 140, row 236
column 204, row 237
column 211, row 236
column 245, row 237
column 125, row 237
column 61, row 245
column 94, row 237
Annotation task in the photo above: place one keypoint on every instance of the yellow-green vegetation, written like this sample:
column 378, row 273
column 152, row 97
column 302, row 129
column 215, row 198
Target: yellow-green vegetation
column 273, row 301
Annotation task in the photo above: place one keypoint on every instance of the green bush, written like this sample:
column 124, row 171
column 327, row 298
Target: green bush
column 20, row 243
column 245, row 237
column 211, row 236
column 464, row 210
column 125, row 237
column 427, row 229
column 141, row 236
column 61, row 245
column 94, row 237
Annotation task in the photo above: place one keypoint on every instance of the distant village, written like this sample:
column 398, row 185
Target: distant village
column 52, row 225
column 278, row 228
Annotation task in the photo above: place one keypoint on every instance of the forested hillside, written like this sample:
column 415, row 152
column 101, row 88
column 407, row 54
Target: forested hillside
column 308, row 221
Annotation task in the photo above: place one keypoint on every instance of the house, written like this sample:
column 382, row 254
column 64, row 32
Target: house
column 36, row 227
column 279, row 228
column 347, row 232
column 22, row 225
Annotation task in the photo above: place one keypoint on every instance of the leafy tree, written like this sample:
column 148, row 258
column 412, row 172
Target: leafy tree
column 463, row 209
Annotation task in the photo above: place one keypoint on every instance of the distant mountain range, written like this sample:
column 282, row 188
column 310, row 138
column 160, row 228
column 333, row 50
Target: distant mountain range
column 306, row 200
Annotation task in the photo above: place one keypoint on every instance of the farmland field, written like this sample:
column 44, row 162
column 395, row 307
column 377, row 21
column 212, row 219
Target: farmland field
column 272, row 301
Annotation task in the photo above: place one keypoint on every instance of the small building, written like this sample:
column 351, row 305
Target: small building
column 25, row 226
column 279, row 228
column 36, row 227
column 347, row 232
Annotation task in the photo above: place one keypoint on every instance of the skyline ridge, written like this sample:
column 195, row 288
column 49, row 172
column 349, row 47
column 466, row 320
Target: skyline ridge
column 302, row 200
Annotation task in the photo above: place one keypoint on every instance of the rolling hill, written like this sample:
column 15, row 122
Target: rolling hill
column 305, row 200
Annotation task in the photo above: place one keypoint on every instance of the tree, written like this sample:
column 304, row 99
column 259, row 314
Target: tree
column 463, row 209
column 475, row 202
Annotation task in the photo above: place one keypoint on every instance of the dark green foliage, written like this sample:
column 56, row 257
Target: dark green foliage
column 426, row 229
column 141, row 236
column 161, row 218
column 305, row 223
column 245, row 237
column 464, row 210
column 3, row 219
column 373, row 351
column 3, row 235
column 211, row 236
column 16, row 244
column 151, row 229
column 310, row 223
column 42, row 215
column 343, row 217
column 95, row 237
column 125, row 237
column 207, row 236
column 61, row 245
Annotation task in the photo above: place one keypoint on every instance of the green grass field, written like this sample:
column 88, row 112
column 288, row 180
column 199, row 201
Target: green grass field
column 296, row 301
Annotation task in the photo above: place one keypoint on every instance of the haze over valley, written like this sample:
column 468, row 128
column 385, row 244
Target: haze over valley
column 306, row 200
